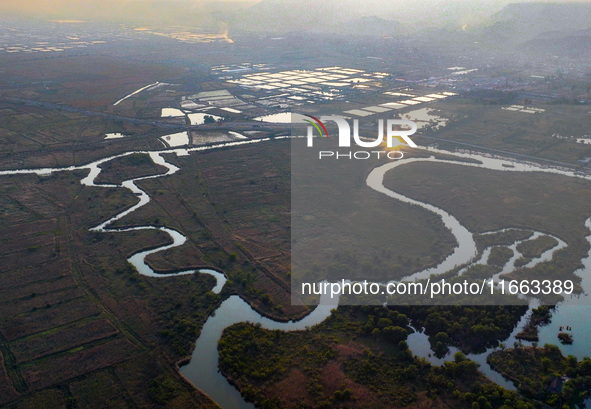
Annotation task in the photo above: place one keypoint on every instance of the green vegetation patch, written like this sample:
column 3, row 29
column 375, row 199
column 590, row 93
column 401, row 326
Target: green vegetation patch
column 128, row 167
column 535, row 371
column 499, row 256
column 357, row 358
column 535, row 248
column 470, row 328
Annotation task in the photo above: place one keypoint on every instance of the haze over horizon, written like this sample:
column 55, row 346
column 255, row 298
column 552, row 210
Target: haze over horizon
column 414, row 14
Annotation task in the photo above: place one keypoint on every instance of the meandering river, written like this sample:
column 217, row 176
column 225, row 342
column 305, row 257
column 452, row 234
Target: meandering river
column 202, row 370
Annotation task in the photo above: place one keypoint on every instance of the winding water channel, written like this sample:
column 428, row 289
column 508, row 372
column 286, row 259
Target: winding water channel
column 202, row 370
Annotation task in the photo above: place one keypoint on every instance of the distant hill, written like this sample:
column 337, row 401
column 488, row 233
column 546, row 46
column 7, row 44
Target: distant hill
column 372, row 26
column 518, row 23
column 513, row 23
column 536, row 25
column 336, row 16
column 572, row 45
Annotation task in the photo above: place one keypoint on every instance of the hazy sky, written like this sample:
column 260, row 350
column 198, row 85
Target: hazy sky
column 415, row 12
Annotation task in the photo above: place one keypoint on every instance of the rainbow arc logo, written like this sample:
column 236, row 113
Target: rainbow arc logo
column 318, row 122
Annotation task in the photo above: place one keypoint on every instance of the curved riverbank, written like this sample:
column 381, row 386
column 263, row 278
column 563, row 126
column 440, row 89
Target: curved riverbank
column 201, row 369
